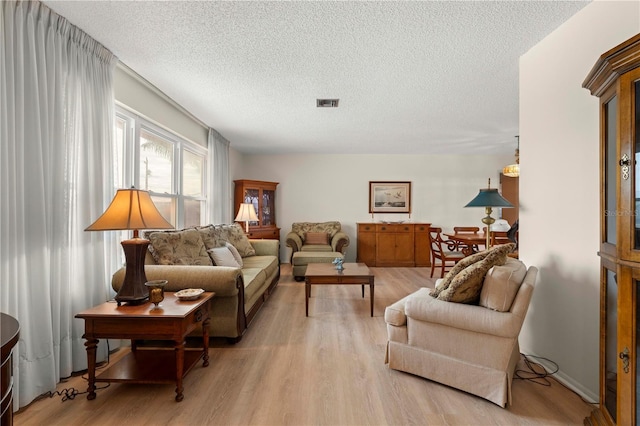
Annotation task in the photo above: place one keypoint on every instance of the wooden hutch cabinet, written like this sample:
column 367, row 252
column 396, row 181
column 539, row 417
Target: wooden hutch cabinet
column 263, row 197
column 394, row 244
column 615, row 79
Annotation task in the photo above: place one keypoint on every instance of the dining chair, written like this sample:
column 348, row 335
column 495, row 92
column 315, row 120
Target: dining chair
column 466, row 230
column 441, row 252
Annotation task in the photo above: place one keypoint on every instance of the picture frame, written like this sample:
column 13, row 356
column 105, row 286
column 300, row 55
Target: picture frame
column 389, row 197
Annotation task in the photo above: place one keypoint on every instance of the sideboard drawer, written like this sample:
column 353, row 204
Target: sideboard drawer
column 394, row 227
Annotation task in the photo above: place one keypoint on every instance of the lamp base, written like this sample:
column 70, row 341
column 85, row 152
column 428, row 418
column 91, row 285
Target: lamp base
column 133, row 290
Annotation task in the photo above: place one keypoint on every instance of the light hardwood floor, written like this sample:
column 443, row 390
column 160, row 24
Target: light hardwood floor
column 327, row 369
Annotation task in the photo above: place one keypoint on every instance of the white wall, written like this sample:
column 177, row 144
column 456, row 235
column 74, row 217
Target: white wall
column 336, row 187
column 559, row 188
column 144, row 99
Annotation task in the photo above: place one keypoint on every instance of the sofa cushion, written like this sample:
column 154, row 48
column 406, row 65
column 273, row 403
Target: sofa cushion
column 466, row 286
column 234, row 252
column 267, row 263
column 178, row 248
column 222, row 256
column 254, row 279
column 501, row 285
column 316, row 238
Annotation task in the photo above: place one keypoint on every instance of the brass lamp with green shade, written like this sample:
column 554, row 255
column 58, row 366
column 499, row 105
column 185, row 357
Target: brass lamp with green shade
column 132, row 209
column 489, row 198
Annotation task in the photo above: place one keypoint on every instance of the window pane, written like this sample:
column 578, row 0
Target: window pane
column 167, row 208
column 192, row 174
column 118, row 152
column 156, row 163
column 193, row 212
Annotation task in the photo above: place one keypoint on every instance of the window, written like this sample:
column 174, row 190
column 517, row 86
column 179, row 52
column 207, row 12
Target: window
column 171, row 168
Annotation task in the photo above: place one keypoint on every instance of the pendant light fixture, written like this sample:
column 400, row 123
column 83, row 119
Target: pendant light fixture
column 513, row 170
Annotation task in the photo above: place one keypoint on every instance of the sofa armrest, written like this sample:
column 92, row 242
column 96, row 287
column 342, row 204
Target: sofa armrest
column 224, row 281
column 294, row 241
column 340, row 242
column 266, row 247
column 462, row 316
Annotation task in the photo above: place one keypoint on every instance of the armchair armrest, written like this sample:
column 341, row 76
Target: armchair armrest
column 462, row 316
column 340, row 242
column 294, row 241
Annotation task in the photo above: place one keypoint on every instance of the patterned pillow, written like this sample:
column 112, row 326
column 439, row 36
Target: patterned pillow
column 457, row 268
column 316, row 238
column 466, row 286
column 222, row 256
column 237, row 237
column 178, row 248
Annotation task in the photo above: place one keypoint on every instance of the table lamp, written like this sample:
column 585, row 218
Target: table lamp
column 132, row 209
column 488, row 198
column 246, row 214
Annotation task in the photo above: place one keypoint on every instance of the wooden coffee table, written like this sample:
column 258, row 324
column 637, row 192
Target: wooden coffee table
column 172, row 322
column 326, row 273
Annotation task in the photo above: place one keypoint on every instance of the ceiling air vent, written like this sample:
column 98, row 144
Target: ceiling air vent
column 327, row 103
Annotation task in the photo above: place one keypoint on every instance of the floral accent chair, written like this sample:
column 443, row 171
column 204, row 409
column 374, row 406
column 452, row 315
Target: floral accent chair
column 318, row 237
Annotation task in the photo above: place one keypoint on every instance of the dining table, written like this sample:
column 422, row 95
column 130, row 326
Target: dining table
column 469, row 243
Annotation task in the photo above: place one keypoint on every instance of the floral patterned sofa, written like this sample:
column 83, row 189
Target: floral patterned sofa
column 245, row 272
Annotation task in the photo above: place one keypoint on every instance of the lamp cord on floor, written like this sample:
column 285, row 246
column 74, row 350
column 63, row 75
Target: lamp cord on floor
column 71, row 393
column 536, row 373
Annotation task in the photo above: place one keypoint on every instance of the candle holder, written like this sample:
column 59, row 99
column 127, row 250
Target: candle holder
column 156, row 291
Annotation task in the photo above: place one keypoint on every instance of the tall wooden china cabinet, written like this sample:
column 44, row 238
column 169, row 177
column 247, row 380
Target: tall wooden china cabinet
column 263, row 197
column 615, row 79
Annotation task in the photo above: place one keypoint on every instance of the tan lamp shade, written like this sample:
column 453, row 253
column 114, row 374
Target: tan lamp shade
column 246, row 214
column 130, row 209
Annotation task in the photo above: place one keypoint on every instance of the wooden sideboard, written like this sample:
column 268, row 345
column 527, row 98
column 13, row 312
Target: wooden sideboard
column 394, row 244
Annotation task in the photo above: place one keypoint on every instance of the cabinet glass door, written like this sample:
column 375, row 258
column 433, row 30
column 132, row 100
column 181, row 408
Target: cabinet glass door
column 628, row 167
column 268, row 208
column 252, row 196
column 611, row 343
column 611, row 169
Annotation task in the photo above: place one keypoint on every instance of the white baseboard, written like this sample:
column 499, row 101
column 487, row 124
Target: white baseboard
column 584, row 393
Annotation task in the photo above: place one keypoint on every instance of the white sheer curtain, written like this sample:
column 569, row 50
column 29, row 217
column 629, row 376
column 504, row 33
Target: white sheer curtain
column 56, row 125
column 220, row 192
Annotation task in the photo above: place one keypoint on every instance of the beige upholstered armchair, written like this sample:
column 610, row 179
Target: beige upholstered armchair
column 470, row 347
column 317, row 236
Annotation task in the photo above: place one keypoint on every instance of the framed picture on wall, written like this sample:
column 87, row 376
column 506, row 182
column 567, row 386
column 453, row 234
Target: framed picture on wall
column 389, row 197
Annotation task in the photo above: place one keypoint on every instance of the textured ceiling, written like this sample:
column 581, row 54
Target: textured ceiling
column 412, row 77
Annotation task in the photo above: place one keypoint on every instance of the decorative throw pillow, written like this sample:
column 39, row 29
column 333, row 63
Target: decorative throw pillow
column 316, row 238
column 178, row 248
column 234, row 252
column 467, row 285
column 457, row 268
column 238, row 238
column 501, row 284
column 222, row 256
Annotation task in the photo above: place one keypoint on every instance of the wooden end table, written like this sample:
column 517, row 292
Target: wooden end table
column 172, row 322
column 326, row 273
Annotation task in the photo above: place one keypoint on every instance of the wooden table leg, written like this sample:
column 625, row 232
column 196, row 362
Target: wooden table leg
column 307, row 293
column 179, row 369
column 371, row 286
column 91, row 345
column 205, row 340
column 362, row 290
